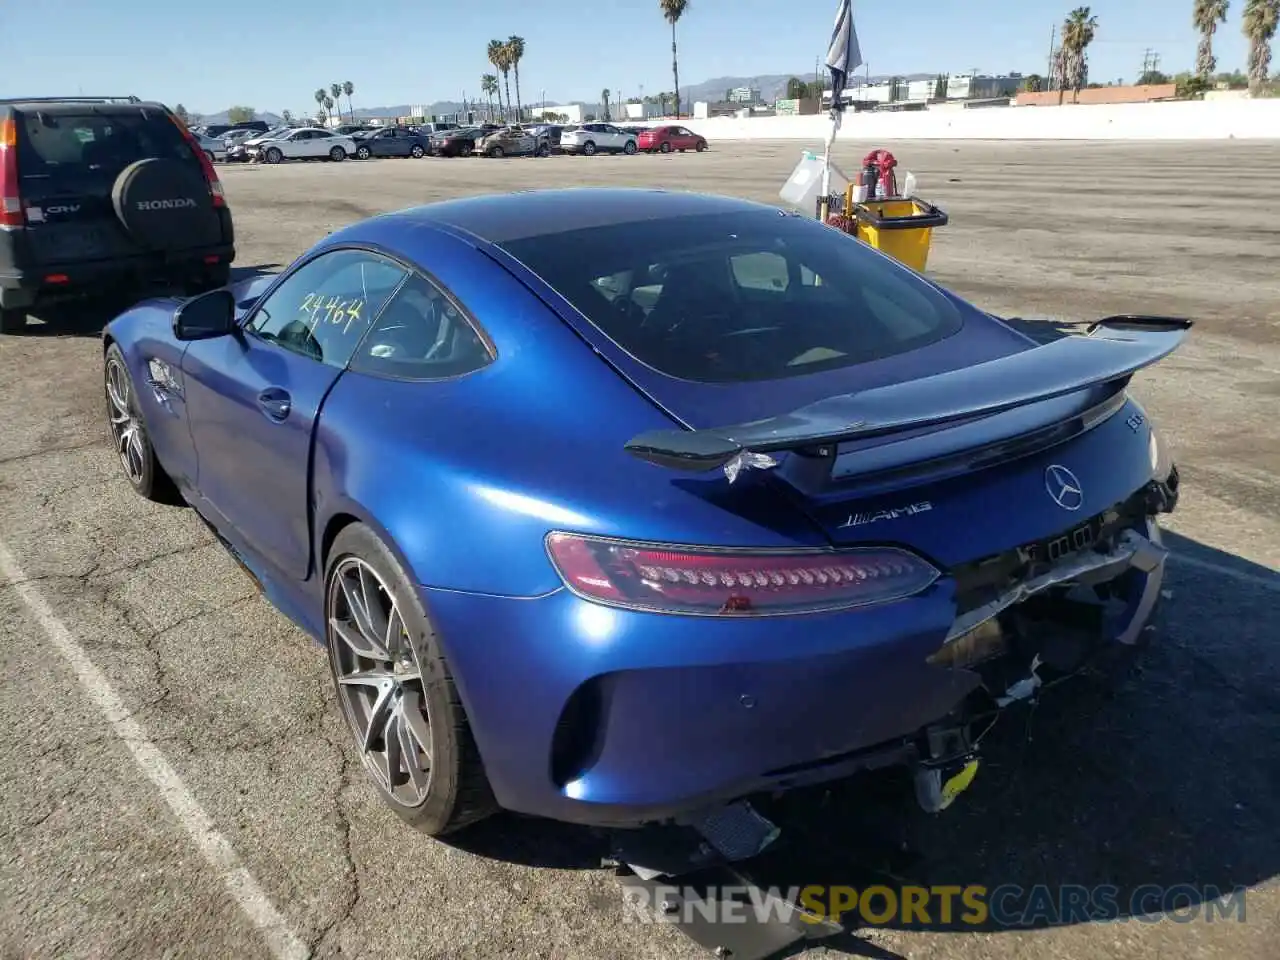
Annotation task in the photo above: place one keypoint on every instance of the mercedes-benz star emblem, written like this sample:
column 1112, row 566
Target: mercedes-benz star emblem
column 1064, row 487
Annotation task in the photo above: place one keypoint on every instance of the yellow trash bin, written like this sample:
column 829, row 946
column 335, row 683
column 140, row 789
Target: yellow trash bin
column 901, row 227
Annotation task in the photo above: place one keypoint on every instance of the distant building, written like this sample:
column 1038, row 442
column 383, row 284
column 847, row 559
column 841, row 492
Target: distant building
column 968, row 86
column 794, row 108
column 742, row 95
column 571, row 110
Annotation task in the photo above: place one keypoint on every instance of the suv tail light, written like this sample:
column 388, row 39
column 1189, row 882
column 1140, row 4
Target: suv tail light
column 11, row 213
column 711, row 581
column 206, row 165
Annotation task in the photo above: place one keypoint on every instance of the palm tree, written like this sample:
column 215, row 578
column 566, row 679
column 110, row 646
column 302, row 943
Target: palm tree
column 1071, row 64
column 328, row 107
column 336, row 90
column 320, row 95
column 1260, row 20
column 349, row 88
column 515, row 53
column 497, row 53
column 604, row 99
column 1205, row 17
column 489, row 86
column 672, row 11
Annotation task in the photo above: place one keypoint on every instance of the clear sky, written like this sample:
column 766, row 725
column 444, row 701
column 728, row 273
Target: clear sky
column 271, row 54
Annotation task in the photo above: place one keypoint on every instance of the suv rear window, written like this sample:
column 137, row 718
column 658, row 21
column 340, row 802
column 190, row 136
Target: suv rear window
column 739, row 297
column 55, row 141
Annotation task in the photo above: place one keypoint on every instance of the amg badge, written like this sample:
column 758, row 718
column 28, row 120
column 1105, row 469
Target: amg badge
column 861, row 519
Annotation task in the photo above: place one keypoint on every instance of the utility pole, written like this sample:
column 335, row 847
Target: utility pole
column 1053, row 50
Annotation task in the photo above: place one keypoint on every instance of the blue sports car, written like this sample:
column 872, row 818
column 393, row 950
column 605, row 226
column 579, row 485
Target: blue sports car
column 615, row 506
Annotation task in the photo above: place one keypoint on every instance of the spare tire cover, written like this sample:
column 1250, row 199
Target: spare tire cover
column 165, row 205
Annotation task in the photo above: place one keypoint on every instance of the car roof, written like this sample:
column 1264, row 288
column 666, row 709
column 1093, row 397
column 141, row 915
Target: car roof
column 502, row 218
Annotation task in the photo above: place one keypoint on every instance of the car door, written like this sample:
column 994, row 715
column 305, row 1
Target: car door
column 254, row 399
column 320, row 143
column 297, row 144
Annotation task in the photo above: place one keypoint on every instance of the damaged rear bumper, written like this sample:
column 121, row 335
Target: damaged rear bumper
column 618, row 718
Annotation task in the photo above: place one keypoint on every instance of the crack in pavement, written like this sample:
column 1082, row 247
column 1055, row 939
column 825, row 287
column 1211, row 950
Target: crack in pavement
column 354, row 892
column 49, row 451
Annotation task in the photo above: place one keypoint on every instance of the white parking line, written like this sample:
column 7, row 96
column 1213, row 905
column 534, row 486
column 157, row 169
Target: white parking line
column 216, row 849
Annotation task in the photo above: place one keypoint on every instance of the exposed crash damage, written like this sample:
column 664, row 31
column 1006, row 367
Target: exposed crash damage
column 1026, row 618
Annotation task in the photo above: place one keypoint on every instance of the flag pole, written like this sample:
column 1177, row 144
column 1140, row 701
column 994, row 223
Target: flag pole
column 844, row 55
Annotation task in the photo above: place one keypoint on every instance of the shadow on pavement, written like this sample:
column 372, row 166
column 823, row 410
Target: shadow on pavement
column 1145, row 786
column 87, row 319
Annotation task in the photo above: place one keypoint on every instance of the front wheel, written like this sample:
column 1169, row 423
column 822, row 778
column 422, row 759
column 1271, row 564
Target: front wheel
column 702, row 146
column 274, row 155
column 337, row 154
column 497, row 153
column 630, row 148
column 588, row 149
column 362, row 153
column 129, row 433
column 395, row 690
column 416, row 152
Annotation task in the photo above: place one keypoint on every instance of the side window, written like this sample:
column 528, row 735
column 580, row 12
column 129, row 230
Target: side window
column 326, row 306
column 760, row 271
column 421, row 335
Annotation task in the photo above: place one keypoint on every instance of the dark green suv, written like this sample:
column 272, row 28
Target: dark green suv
column 103, row 197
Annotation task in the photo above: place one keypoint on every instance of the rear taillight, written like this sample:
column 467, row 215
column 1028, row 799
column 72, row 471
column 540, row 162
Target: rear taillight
column 206, row 165
column 11, row 214
column 734, row 582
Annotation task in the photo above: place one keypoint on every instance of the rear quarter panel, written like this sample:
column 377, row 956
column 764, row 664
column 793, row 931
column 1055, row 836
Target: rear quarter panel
column 467, row 476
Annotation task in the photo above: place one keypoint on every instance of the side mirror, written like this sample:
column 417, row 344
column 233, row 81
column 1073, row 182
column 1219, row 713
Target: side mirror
column 209, row 315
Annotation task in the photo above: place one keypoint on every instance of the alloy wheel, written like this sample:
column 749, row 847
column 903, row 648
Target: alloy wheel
column 362, row 153
column 379, row 681
column 126, row 429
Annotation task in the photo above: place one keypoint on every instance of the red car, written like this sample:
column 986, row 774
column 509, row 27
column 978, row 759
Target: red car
column 666, row 139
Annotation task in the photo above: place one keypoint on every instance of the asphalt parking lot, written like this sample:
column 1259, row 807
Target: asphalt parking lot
column 174, row 780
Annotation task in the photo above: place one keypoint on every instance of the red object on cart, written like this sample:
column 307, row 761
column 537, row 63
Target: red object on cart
column 883, row 162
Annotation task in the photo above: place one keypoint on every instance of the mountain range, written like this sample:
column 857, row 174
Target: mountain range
column 771, row 87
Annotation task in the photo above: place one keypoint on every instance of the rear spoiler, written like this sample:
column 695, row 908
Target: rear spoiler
column 1111, row 351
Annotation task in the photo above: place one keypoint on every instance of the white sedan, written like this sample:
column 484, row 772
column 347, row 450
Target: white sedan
column 304, row 143
column 591, row 138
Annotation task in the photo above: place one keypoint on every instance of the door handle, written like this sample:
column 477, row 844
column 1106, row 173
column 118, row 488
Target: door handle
column 275, row 403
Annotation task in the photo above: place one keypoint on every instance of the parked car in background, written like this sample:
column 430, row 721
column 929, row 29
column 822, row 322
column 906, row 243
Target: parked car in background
column 430, row 129
column 306, row 143
column 549, row 132
column 103, row 196
column 222, row 129
column 589, row 139
column 390, row 142
column 214, row 148
column 671, row 137
column 456, row 143
column 350, row 129
column 514, row 141
column 239, row 149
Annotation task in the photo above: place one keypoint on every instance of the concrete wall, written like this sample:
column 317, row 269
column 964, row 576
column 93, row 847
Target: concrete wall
column 1179, row 120
column 1096, row 95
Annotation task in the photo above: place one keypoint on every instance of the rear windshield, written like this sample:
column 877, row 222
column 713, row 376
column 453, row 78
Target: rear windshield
column 99, row 143
column 728, row 298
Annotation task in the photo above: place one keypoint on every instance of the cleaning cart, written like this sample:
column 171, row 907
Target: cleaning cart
column 870, row 206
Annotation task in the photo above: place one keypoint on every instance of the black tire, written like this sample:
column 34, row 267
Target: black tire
column 458, row 792
column 630, row 148
column 149, row 480
column 337, row 154
column 417, row 152
column 497, row 153
column 544, row 150
column 589, row 149
column 665, row 148
column 12, row 321
column 702, row 145
column 362, row 153
column 274, row 155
